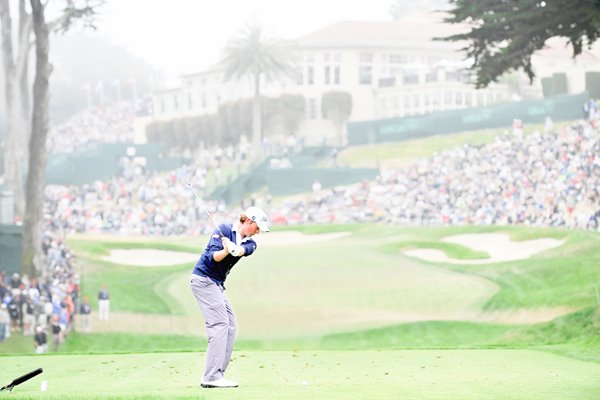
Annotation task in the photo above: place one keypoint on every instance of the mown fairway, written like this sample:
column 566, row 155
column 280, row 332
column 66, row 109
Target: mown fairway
column 424, row 374
column 352, row 316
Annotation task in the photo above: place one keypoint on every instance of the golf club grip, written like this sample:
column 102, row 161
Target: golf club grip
column 25, row 377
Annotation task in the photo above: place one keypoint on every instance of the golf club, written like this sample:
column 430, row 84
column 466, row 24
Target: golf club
column 21, row 379
column 205, row 209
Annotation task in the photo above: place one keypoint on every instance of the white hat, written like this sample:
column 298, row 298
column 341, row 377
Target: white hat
column 259, row 216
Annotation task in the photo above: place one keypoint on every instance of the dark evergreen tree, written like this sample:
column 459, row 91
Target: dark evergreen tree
column 505, row 33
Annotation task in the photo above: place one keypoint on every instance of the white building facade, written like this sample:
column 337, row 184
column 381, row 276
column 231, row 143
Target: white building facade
column 390, row 68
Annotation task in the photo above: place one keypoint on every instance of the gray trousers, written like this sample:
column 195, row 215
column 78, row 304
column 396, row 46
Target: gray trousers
column 220, row 324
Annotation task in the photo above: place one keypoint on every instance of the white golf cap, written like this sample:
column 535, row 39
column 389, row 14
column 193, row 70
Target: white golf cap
column 259, row 216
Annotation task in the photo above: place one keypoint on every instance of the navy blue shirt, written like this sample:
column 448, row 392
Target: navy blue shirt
column 217, row 271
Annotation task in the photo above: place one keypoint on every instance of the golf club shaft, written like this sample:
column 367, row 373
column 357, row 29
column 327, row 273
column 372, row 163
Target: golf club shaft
column 205, row 209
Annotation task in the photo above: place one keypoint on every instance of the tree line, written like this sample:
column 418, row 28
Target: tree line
column 280, row 116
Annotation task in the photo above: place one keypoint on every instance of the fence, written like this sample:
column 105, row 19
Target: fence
column 11, row 237
column 102, row 162
column 444, row 122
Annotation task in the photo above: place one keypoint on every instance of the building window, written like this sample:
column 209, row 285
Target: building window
column 411, row 78
column 407, row 101
column 416, row 100
column 397, row 59
column 332, row 68
column 312, row 111
column 395, row 105
column 480, row 99
column 431, row 76
column 365, row 75
column 459, row 98
column 387, row 82
column 448, row 98
column 435, row 99
column 365, row 57
column 452, row 76
column 365, row 69
column 383, row 106
column 299, row 76
column 310, row 75
column 175, row 103
column 468, row 99
column 309, row 69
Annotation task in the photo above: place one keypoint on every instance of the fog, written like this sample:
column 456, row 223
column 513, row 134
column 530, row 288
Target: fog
column 183, row 36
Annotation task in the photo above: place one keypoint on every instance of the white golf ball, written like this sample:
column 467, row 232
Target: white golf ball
column 305, row 383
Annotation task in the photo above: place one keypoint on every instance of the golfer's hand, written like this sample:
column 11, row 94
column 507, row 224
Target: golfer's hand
column 227, row 245
column 236, row 251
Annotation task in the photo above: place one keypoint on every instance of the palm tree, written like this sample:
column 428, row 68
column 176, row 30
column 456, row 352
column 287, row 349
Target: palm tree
column 337, row 106
column 254, row 54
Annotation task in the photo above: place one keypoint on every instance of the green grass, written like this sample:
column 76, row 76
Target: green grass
column 360, row 277
column 410, row 374
column 87, row 248
column 134, row 289
column 564, row 276
column 328, row 312
column 16, row 344
column 452, row 250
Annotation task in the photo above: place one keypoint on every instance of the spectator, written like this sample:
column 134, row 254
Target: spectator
column 40, row 340
column 84, row 314
column 29, row 317
column 517, row 128
column 4, row 322
column 13, row 311
column 15, row 281
column 57, row 337
column 548, row 125
column 103, row 304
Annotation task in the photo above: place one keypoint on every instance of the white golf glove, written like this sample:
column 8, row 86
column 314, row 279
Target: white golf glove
column 236, row 251
column 227, row 245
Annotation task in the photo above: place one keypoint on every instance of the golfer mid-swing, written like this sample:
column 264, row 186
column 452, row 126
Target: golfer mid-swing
column 227, row 244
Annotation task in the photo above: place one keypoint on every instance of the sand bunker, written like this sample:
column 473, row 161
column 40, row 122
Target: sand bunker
column 150, row 257
column 156, row 258
column 497, row 245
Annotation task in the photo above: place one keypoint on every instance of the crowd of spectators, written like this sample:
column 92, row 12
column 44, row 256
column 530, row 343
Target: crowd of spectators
column 44, row 306
column 110, row 123
column 548, row 179
column 143, row 203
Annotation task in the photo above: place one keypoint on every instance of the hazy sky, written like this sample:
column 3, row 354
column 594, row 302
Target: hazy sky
column 181, row 36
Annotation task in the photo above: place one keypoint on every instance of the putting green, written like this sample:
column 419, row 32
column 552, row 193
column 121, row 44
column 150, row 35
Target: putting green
column 409, row 374
column 327, row 290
